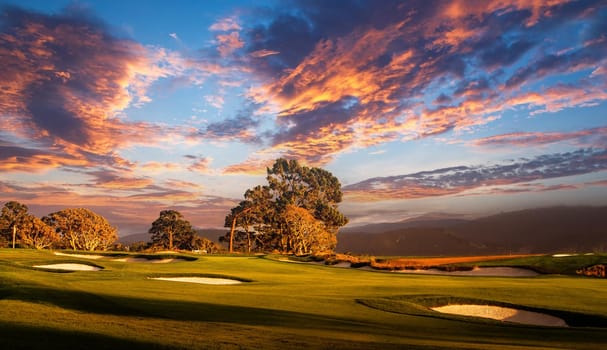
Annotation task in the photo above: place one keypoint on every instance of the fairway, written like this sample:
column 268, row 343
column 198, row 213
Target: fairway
column 277, row 305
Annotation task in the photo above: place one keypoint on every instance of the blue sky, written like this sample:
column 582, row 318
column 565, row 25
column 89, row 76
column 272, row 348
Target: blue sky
column 457, row 107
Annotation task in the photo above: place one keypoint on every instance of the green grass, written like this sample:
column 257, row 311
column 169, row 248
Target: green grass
column 567, row 265
column 282, row 306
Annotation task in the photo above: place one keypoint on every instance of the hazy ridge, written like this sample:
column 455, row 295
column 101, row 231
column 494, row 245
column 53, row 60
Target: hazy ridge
column 543, row 230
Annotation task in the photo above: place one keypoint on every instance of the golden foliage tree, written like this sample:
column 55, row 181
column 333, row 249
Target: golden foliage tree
column 35, row 233
column 306, row 234
column 82, row 229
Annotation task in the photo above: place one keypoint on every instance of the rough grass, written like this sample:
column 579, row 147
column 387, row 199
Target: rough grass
column 286, row 306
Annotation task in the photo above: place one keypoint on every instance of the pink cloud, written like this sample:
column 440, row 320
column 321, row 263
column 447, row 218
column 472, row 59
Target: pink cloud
column 228, row 43
column 587, row 137
column 225, row 25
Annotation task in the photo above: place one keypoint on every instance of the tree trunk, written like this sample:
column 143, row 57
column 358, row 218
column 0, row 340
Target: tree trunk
column 14, row 235
column 232, row 233
column 248, row 241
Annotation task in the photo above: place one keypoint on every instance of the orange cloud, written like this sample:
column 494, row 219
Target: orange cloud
column 461, row 9
column 180, row 184
column 159, row 167
column 263, row 53
column 229, row 43
column 252, row 166
column 201, row 165
column 65, row 84
column 127, row 183
column 381, row 76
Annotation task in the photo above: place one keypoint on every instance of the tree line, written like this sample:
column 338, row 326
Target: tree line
column 296, row 212
column 72, row 228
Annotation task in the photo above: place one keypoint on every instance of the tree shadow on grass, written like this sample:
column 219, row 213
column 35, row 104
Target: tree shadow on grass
column 174, row 309
column 26, row 337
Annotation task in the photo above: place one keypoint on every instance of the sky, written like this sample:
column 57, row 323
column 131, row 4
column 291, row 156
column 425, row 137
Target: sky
column 465, row 108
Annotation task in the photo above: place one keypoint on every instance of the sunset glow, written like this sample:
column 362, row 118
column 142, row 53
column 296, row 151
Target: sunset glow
column 459, row 107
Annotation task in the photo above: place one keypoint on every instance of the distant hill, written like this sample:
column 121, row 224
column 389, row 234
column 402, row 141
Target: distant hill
column 423, row 221
column 208, row 233
column 545, row 230
column 212, row 234
column 135, row 237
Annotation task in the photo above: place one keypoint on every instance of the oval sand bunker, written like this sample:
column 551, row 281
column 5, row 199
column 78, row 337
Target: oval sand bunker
column 503, row 314
column 84, row 256
column 201, row 280
column 69, row 267
column 479, row 271
column 151, row 261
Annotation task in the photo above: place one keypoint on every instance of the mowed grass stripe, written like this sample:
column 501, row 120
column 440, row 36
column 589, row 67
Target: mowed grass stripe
column 286, row 306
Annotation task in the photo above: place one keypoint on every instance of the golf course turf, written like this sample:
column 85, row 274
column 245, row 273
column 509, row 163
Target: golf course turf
column 285, row 306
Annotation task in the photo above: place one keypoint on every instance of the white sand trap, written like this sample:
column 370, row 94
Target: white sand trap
column 503, row 314
column 480, row 271
column 343, row 264
column 144, row 260
column 201, row 280
column 562, row 255
column 69, row 267
column 85, row 256
column 302, row 262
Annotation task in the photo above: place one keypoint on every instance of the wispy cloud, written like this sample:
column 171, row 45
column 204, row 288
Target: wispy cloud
column 200, row 164
column 228, row 43
column 263, row 53
column 132, row 213
column 456, row 180
column 589, row 137
column 225, row 24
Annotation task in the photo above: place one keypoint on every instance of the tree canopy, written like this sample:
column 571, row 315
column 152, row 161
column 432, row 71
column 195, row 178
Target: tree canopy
column 12, row 218
column 82, row 229
column 172, row 230
column 18, row 226
column 295, row 212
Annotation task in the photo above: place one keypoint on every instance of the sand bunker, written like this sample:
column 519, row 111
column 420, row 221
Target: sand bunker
column 145, row 260
column 69, row 267
column 85, row 256
column 479, row 271
column 201, row 280
column 503, row 314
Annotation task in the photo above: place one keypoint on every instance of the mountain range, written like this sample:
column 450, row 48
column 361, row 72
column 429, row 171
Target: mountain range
column 542, row 230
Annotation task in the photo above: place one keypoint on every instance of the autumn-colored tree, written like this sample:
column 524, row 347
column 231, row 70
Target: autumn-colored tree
column 82, row 229
column 171, row 230
column 12, row 218
column 305, row 234
column 261, row 217
column 35, row 233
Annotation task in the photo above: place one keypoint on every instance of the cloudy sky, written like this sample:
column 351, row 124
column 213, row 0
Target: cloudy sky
column 461, row 107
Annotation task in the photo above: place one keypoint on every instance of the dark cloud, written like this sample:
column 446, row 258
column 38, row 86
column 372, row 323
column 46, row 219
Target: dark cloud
column 455, row 180
column 302, row 124
column 389, row 55
column 64, row 76
column 241, row 127
column 503, row 54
